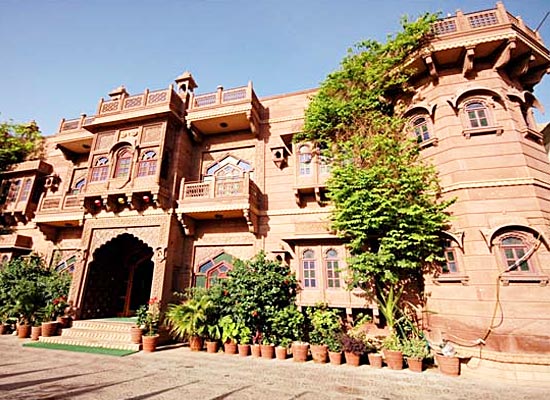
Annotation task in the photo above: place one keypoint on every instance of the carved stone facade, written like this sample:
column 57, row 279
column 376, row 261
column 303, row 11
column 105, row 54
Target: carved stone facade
column 176, row 178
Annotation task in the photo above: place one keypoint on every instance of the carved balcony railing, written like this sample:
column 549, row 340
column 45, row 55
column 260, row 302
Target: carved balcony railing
column 66, row 209
column 225, row 110
column 147, row 99
column 221, row 198
column 471, row 22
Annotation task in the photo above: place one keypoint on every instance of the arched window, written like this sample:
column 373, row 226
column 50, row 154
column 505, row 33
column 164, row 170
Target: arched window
column 79, row 185
column 514, row 250
column 124, row 161
column 421, row 129
column 451, row 264
column 304, row 156
column 147, row 165
column 5, row 258
column 26, row 190
column 100, row 170
column 211, row 271
column 478, row 114
column 309, row 269
column 332, row 268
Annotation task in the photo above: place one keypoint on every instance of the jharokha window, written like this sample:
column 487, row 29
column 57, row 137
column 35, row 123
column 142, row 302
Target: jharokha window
column 514, row 250
column 14, row 191
column 478, row 114
column 421, row 129
column 332, row 268
column 309, row 269
column 304, row 155
column 100, row 169
column 124, row 162
column 147, row 165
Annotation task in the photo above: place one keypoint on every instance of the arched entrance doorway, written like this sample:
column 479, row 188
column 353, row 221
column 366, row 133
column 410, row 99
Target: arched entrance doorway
column 119, row 278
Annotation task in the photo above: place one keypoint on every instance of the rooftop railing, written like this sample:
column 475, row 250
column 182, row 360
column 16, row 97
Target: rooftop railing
column 69, row 125
column 138, row 101
column 222, row 97
column 473, row 21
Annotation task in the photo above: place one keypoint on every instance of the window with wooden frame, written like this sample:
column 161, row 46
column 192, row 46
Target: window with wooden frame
column 211, row 271
column 517, row 252
column 514, row 251
column 332, row 267
column 26, row 190
column 450, row 266
column 309, row 269
column 13, row 192
column 304, row 160
column 100, row 170
column 421, row 129
column 477, row 113
column 147, row 165
column 123, row 163
column 78, row 186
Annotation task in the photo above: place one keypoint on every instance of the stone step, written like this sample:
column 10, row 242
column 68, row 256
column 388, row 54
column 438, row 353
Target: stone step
column 90, row 342
column 102, row 325
column 97, row 334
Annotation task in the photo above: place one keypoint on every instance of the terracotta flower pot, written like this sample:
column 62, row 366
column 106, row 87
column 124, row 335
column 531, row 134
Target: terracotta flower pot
column 64, row 322
column 36, row 331
column 280, row 352
column 49, row 329
column 319, row 353
column 149, row 343
column 375, row 360
column 230, row 347
column 299, row 352
column 135, row 334
column 244, row 350
column 256, row 350
column 4, row 329
column 212, row 347
column 448, row 365
column 267, row 350
column 195, row 343
column 23, row 331
column 352, row 359
column 335, row 357
column 394, row 359
column 415, row 364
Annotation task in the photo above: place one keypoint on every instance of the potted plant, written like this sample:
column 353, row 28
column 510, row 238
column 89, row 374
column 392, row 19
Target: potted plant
column 334, row 349
column 415, row 349
column 268, row 347
column 213, row 336
column 281, row 351
column 244, row 340
column 354, row 347
column 150, row 332
column 373, row 345
column 190, row 320
column 230, row 332
column 287, row 326
column 136, row 331
column 447, row 360
column 325, row 324
column 392, row 349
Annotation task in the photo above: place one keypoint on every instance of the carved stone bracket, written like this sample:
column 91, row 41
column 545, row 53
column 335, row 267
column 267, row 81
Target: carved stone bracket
column 468, row 65
column 251, row 220
column 188, row 224
column 506, row 55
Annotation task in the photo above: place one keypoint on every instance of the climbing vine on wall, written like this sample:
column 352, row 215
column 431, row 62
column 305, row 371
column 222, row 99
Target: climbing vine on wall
column 385, row 197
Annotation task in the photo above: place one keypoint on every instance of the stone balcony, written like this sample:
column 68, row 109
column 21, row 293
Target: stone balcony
column 219, row 199
column 72, row 137
column 60, row 210
column 226, row 110
column 123, row 107
column 476, row 39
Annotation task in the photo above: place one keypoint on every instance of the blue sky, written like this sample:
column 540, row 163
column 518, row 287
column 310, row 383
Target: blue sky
column 60, row 57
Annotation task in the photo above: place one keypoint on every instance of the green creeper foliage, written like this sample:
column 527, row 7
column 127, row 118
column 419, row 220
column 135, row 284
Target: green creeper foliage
column 18, row 142
column 385, row 197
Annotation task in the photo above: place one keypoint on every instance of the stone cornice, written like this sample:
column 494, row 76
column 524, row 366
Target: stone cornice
column 496, row 183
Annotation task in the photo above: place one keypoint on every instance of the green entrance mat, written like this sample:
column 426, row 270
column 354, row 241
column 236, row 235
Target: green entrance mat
column 80, row 349
column 120, row 319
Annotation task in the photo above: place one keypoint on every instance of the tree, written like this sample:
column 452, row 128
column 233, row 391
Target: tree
column 385, row 197
column 18, row 142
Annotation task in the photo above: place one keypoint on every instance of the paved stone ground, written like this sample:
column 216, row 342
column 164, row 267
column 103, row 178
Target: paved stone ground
column 177, row 373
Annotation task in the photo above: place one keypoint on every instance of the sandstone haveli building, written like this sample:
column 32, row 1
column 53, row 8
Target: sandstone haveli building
column 159, row 191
